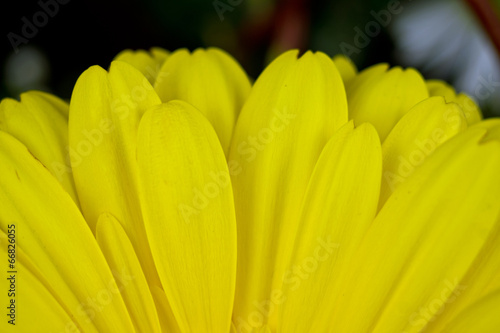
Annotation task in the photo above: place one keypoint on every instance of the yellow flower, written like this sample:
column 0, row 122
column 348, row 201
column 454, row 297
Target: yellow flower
column 170, row 195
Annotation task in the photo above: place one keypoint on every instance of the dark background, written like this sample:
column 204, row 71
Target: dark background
column 84, row 33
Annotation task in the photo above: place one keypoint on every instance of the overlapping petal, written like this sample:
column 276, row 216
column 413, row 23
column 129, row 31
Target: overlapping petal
column 212, row 81
column 189, row 215
column 339, row 207
column 294, row 108
column 381, row 97
column 40, row 121
column 105, row 112
column 415, row 137
column 148, row 63
column 54, row 237
column 441, row 88
column 443, row 216
column 481, row 316
column 346, row 67
column 45, row 312
column 122, row 260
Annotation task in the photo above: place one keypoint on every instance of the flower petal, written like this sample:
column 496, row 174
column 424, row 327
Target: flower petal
column 471, row 110
column 295, row 107
column 479, row 317
column 40, row 122
column 160, row 54
column 167, row 319
column 212, row 81
column 482, row 279
column 60, row 105
column 189, row 215
column 340, row 205
column 441, row 88
column 492, row 125
column 105, row 111
column 148, row 63
column 382, row 98
column 347, row 69
column 438, row 221
column 35, row 302
column 54, row 236
column 123, row 261
column 484, row 275
column 424, row 128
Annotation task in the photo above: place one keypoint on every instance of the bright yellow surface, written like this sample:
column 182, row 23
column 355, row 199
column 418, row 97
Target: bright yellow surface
column 173, row 196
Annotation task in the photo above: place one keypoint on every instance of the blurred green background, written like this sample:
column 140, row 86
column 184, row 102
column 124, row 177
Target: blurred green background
column 84, row 33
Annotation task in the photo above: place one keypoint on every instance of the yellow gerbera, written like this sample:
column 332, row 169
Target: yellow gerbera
column 171, row 195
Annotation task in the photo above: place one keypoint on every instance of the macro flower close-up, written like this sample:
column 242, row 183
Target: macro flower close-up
column 264, row 169
column 172, row 195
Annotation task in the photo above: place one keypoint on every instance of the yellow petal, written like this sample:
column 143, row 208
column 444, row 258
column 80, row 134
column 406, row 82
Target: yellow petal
column 346, row 67
column 479, row 317
column 366, row 76
column 340, row 204
column 60, row 105
column 482, row 279
column 167, row 319
column 471, row 110
column 159, row 54
column 438, row 221
column 441, row 88
column 189, row 215
column 382, row 98
column 484, row 275
column 122, row 260
column 212, row 81
column 39, row 122
column 26, row 297
column 105, row 111
column 54, row 236
column 424, row 128
column 295, row 107
column 493, row 127
column 148, row 63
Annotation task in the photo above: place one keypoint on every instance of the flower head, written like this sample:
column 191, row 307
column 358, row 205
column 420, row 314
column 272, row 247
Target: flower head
column 171, row 195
